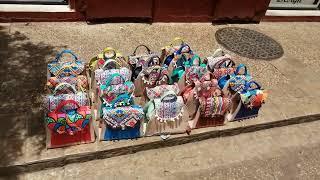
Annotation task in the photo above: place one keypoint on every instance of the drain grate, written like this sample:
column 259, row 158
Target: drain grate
column 249, row 43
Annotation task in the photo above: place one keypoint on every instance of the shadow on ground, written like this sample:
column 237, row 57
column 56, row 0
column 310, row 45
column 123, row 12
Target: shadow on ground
column 22, row 77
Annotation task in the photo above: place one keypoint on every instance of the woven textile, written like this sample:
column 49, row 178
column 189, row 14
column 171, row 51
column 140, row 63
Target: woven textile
column 158, row 91
column 80, row 83
column 52, row 101
column 194, row 73
column 108, row 55
column 219, row 62
column 68, row 122
column 122, row 117
column 102, row 76
column 142, row 61
column 252, row 95
column 109, row 93
column 168, row 107
column 154, row 75
column 218, row 73
column 207, row 87
column 237, row 80
column 213, row 106
column 70, row 68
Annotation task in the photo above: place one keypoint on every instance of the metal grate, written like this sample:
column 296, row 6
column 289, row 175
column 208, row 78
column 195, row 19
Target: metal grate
column 249, row 43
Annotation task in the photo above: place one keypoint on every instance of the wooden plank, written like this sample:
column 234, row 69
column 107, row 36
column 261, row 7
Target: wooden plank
column 119, row 8
column 179, row 11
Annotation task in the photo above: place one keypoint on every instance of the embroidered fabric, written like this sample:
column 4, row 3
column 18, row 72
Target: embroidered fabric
column 237, row 80
column 207, row 87
column 68, row 122
column 213, row 106
column 252, row 95
column 109, row 93
column 52, row 101
column 69, row 68
column 102, row 76
column 123, row 117
column 154, row 75
column 194, row 73
column 168, row 107
column 80, row 82
column 158, row 91
column 224, row 61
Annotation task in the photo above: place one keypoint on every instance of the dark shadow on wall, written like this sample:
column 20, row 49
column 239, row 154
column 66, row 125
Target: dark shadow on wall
column 22, row 77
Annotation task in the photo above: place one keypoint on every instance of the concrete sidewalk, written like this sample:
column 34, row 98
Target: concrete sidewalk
column 286, row 153
column 25, row 48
